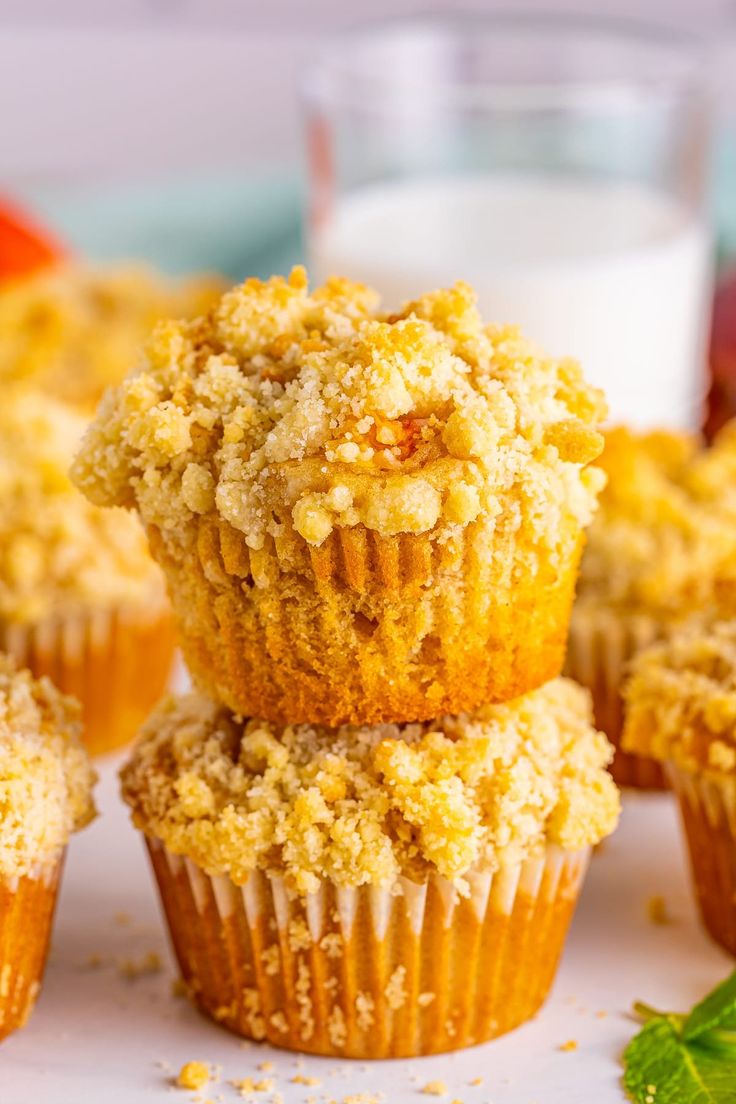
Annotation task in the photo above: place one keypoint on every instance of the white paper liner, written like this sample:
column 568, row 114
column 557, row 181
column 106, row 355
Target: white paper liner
column 371, row 972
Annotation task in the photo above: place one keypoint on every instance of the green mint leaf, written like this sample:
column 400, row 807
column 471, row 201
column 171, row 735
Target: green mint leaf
column 662, row 1068
column 717, row 1010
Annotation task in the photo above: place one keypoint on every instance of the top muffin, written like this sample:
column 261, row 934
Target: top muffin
column 72, row 331
column 45, row 775
column 418, row 422
column 664, row 540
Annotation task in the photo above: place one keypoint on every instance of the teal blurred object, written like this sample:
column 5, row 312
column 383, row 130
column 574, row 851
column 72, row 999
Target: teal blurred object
column 240, row 224
column 235, row 223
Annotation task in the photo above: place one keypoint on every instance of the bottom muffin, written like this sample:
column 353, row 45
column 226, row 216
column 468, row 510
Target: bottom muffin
column 45, row 794
column 372, row 892
column 681, row 710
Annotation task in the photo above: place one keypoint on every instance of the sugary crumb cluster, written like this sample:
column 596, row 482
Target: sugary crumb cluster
column 45, row 775
column 72, row 331
column 664, row 539
column 363, row 805
column 57, row 550
column 681, row 701
column 412, row 423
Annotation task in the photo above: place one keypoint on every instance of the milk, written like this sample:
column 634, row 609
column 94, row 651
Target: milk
column 614, row 274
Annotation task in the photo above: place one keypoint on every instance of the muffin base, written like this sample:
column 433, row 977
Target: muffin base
column 365, row 629
column 26, row 914
column 708, row 811
column 600, row 646
column 370, row 973
column 116, row 662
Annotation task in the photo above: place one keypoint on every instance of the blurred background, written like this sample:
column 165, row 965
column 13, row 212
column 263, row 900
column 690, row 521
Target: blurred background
column 171, row 129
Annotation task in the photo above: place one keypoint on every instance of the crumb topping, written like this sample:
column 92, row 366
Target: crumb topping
column 73, row 331
column 45, row 774
column 364, row 805
column 681, row 701
column 664, row 539
column 319, row 405
column 57, row 550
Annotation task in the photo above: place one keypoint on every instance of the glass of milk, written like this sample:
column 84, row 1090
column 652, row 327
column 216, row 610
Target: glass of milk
column 558, row 164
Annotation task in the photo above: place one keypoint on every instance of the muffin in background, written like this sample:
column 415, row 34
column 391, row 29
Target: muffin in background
column 661, row 552
column 80, row 598
column 72, row 330
column 45, row 795
column 681, row 712
column 372, row 892
column 360, row 517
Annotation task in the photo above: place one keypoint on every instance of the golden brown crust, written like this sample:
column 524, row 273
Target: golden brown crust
column 367, row 629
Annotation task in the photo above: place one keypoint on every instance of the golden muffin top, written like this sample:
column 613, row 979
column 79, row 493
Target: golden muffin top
column 58, row 552
column 681, row 701
column 72, row 331
column 45, row 775
column 364, row 805
column 315, row 410
column 664, row 540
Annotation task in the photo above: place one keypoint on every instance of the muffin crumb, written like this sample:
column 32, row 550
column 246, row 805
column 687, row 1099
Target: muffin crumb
column 193, row 1075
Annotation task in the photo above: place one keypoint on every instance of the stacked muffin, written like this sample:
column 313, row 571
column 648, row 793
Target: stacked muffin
column 370, row 823
column 80, row 597
column 661, row 554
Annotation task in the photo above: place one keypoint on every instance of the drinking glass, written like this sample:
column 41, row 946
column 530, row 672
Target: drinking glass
column 558, row 164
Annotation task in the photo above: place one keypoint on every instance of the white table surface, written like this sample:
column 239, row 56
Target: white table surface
column 99, row 1037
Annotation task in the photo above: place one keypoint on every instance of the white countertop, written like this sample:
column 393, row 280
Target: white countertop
column 98, row 1037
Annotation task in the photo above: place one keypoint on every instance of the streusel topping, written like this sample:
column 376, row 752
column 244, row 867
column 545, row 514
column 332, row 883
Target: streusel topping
column 681, row 701
column 363, row 805
column 72, row 331
column 411, row 423
column 45, row 775
column 664, row 540
column 57, row 550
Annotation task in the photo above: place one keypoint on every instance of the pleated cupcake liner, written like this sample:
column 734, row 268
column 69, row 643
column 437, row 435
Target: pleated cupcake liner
column 366, row 629
column 370, row 972
column 708, row 812
column 116, row 661
column 600, row 647
column 26, row 913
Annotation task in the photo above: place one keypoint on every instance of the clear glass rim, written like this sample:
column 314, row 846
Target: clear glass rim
column 333, row 75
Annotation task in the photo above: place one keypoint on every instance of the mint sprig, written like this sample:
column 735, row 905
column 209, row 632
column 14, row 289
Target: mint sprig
column 680, row 1058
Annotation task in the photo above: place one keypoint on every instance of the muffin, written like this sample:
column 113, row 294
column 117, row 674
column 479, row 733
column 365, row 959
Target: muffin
column 371, row 892
column 70, row 331
column 360, row 517
column 80, row 598
column 681, row 712
column 45, row 795
column 661, row 552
